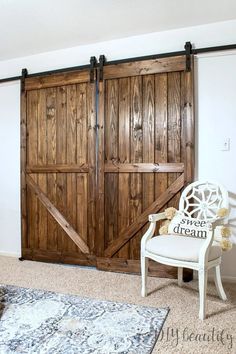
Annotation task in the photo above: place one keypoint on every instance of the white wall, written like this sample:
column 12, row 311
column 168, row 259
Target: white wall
column 216, row 98
column 214, row 76
column 10, row 169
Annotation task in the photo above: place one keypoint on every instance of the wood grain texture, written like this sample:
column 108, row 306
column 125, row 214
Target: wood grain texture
column 61, row 153
column 51, row 159
column 111, row 154
column 71, row 159
column 136, row 158
column 114, row 167
column 63, row 168
column 124, row 157
column 31, row 212
column 81, row 138
column 91, row 156
column 69, row 78
column 144, row 67
column 100, row 203
column 148, row 140
column 58, row 257
column 188, row 126
column 148, row 137
column 42, row 159
column 81, row 213
column 174, row 128
column 161, row 137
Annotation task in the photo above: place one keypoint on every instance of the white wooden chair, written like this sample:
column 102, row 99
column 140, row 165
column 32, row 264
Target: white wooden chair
column 200, row 200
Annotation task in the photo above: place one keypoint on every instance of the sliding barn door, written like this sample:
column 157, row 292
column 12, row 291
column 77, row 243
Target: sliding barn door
column 98, row 158
column 145, row 154
column 58, row 168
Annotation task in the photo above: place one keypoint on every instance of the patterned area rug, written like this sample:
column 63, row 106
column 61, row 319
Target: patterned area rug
column 43, row 322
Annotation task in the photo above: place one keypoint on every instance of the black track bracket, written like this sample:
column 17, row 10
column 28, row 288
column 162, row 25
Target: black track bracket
column 93, row 63
column 188, row 51
column 24, row 74
column 102, row 60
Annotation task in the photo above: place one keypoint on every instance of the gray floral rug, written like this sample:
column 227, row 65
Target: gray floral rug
column 44, row 322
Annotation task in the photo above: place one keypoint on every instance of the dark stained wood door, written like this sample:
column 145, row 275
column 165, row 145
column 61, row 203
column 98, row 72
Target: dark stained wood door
column 58, row 168
column 98, row 158
column 145, row 154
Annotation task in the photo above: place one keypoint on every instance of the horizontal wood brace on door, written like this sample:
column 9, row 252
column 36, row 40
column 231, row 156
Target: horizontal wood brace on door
column 113, row 167
column 58, row 256
column 67, row 78
column 142, row 219
column 84, row 168
column 145, row 67
column 57, row 215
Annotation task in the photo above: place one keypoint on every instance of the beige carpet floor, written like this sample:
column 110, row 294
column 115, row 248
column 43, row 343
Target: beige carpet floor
column 183, row 332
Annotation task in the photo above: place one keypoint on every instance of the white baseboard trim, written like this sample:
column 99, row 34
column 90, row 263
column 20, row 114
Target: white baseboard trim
column 225, row 278
column 7, row 254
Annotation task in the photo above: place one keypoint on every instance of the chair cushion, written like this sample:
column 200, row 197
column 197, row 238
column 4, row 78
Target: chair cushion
column 181, row 248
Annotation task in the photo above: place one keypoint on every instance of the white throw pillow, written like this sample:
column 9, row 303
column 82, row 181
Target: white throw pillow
column 186, row 226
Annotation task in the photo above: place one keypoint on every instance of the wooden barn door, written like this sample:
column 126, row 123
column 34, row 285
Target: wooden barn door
column 145, row 154
column 98, row 158
column 58, row 168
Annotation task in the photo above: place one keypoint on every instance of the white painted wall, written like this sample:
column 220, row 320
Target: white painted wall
column 10, row 169
column 215, row 95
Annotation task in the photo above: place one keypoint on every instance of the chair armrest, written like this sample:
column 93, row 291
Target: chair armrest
column 153, row 218
column 204, row 250
column 156, row 217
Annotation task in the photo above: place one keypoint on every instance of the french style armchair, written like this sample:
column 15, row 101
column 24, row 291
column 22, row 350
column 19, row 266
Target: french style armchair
column 202, row 201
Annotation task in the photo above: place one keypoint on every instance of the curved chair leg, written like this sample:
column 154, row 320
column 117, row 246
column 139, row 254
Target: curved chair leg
column 218, row 283
column 180, row 276
column 202, row 278
column 144, row 271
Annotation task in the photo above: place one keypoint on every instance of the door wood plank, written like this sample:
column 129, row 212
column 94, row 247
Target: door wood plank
column 124, row 156
column 51, row 159
column 42, row 160
column 111, row 154
column 174, row 128
column 187, row 118
column 61, row 148
column 71, row 157
column 136, row 158
column 91, row 156
column 161, row 112
column 32, row 157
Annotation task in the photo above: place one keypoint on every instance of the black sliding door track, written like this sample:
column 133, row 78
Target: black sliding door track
column 128, row 60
